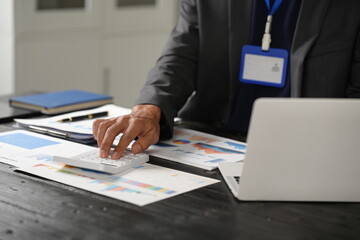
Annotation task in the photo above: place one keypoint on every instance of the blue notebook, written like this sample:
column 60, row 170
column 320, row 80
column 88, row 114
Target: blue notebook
column 60, row 102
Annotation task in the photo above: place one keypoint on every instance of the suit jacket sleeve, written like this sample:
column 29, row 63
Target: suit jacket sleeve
column 353, row 90
column 172, row 80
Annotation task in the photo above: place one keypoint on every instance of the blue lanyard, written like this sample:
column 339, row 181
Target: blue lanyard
column 267, row 37
column 275, row 6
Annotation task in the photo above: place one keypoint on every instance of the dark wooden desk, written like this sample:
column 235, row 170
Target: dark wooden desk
column 36, row 208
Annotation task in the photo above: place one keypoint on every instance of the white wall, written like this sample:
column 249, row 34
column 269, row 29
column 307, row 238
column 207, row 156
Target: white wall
column 6, row 47
column 101, row 49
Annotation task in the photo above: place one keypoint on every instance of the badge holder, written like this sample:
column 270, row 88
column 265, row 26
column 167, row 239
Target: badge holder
column 264, row 65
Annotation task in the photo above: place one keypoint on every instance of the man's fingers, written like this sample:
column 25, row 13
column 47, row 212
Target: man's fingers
column 143, row 122
column 109, row 137
column 95, row 127
column 144, row 142
column 136, row 127
column 102, row 129
column 125, row 140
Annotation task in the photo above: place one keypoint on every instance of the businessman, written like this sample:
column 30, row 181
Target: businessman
column 198, row 75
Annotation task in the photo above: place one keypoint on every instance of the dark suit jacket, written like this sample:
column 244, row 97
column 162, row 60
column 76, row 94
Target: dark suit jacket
column 197, row 73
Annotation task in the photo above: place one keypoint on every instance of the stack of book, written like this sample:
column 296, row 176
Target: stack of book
column 60, row 102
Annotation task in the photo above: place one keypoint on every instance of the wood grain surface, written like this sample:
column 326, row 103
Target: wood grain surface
column 36, row 208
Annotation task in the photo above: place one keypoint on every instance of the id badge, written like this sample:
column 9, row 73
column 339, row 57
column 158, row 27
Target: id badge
column 263, row 67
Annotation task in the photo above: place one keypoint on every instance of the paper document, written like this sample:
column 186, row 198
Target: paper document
column 198, row 149
column 80, row 130
column 23, row 148
column 141, row 185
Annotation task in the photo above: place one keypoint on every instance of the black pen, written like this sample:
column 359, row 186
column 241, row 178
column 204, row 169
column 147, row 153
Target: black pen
column 84, row 117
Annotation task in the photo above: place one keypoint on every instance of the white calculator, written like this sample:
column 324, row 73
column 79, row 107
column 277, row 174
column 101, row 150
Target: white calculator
column 91, row 160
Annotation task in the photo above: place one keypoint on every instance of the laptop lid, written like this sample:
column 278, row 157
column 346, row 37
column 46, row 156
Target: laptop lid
column 302, row 150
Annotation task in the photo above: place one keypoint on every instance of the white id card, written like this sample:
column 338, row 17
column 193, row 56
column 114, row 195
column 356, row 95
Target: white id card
column 263, row 67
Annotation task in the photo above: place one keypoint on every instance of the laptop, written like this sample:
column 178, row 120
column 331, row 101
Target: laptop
column 299, row 150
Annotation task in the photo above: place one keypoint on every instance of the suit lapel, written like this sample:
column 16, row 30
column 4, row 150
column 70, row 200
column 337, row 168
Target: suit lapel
column 311, row 17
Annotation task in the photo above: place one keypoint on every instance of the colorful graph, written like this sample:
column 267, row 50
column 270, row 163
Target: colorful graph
column 59, row 168
column 115, row 187
column 110, row 186
column 181, row 141
column 210, row 149
column 215, row 160
column 202, row 138
column 236, row 145
column 26, row 141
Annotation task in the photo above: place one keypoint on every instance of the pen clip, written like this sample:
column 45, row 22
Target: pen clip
column 89, row 116
column 48, row 131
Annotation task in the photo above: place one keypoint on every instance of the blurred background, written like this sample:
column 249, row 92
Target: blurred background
column 103, row 46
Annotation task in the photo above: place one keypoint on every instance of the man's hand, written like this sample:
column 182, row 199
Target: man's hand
column 143, row 122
